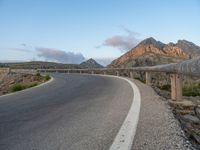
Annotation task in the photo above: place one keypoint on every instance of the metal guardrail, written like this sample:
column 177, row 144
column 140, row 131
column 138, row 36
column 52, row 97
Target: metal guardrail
column 188, row 67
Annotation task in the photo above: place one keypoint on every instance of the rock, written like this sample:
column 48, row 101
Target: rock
column 182, row 105
column 191, row 118
column 197, row 111
column 184, row 112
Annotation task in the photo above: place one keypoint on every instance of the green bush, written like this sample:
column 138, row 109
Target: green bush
column 191, row 90
column 166, row 87
column 47, row 77
column 137, row 78
column 17, row 87
column 38, row 74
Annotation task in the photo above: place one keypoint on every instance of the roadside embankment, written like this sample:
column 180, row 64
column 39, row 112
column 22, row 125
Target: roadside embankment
column 13, row 82
column 157, row 128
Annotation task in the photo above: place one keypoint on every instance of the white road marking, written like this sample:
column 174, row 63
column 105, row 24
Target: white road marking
column 126, row 134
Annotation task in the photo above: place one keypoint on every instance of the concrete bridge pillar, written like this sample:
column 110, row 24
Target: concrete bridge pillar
column 68, row 71
column 131, row 74
column 176, row 87
column 148, row 78
column 80, row 72
column 117, row 72
column 92, row 71
column 104, row 72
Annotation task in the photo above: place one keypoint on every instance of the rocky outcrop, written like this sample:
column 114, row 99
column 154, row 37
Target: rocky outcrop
column 149, row 51
column 90, row 63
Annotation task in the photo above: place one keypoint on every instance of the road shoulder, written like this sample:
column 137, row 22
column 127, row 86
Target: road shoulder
column 157, row 128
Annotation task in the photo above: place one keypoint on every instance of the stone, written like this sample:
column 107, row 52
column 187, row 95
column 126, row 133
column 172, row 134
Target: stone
column 184, row 112
column 191, row 118
column 182, row 105
column 197, row 111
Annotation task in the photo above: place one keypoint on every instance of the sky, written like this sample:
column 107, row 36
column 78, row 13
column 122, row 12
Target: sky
column 71, row 31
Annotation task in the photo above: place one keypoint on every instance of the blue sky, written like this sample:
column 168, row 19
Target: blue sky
column 70, row 31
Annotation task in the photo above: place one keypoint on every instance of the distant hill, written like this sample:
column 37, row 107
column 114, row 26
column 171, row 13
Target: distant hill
column 40, row 65
column 90, row 63
column 152, row 52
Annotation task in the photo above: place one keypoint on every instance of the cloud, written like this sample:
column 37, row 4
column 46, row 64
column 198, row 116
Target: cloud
column 123, row 42
column 60, row 56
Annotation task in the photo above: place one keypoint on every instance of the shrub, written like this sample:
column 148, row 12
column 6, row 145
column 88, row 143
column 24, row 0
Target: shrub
column 17, row 87
column 38, row 74
column 166, row 87
column 191, row 90
column 137, row 78
column 47, row 77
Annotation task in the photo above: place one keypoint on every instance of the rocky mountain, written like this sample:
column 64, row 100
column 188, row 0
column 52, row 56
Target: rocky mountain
column 90, row 63
column 152, row 52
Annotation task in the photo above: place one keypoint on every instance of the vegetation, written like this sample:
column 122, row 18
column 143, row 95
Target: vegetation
column 38, row 78
column 191, row 89
column 166, row 87
column 47, row 77
column 21, row 86
column 140, row 79
column 16, row 87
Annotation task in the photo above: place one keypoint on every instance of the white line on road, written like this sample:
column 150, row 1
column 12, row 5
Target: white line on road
column 126, row 134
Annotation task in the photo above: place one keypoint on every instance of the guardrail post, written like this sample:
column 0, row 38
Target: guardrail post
column 148, row 78
column 176, row 87
column 117, row 72
column 131, row 75
column 9, row 70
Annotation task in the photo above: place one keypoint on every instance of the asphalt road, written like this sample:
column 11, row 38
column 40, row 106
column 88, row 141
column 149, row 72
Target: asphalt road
column 72, row 112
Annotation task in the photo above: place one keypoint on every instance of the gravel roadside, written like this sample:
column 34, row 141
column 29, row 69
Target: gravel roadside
column 157, row 128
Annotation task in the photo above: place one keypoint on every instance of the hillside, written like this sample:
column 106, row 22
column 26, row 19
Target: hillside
column 39, row 65
column 151, row 52
column 90, row 63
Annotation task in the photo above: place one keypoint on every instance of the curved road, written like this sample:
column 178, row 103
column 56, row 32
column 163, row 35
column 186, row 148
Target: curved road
column 72, row 112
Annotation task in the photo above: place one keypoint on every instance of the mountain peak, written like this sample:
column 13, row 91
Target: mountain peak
column 152, row 41
column 149, row 40
column 90, row 63
column 91, row 60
